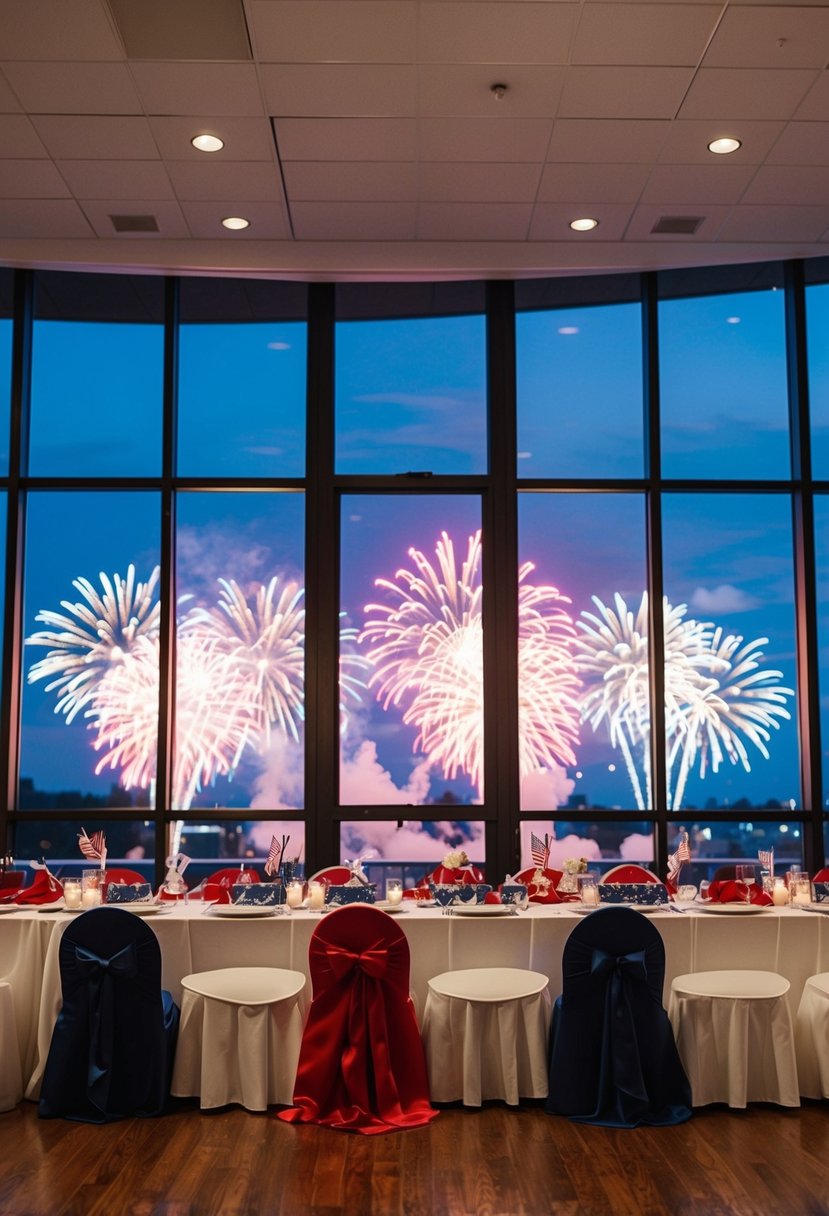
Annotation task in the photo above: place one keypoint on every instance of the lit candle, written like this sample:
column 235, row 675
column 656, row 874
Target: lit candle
column 316, row 895
column 91, row 898
column 394, row 891
column 590, row 895
column 72, row 893
column 293, row 894
column 779, row 893
column 802, row 897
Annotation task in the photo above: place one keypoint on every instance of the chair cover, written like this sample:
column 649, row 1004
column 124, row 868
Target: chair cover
column 216, row 887
column 630, row 873
column 11, row 883
column 332, row 875
column 111, row 1053
column 122, row 875
column 613, row 1059
column 822, row 875
column 361, row 1065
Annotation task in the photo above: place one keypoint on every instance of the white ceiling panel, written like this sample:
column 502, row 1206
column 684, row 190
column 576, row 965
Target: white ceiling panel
column 57, row 29
column 18, row 138
column 623, row 92
column 465, row 91
column 353, row 181
column 718, row 93
column 325, row 90
column 771, row 36
column 551, row 222
column 253, row 180
column 346, row 139
column 59, row 219
column 775, row 224
column 354, row 221
column 789, row 184
column 495, row 32
column 815, row 104
column 687, row 141
column 8, row 101
column 199, row 88
column 32, row 179
column 102, row 137
column 603, row 141
column 801, row 143
column 245, row 138
column 268, row 221
column 125, row 179
column 473, row 221
column 501, row 139
column 570, row 183
column 647, row 215
column 485, row 183
column 611, row 33
column 74, row 88
column 167, row 215
column 334, row 31
column 697, row 184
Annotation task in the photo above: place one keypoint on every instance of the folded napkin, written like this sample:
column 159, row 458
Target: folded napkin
column 731, row 891
column 463, row 874
column 45, row 889
column 541, row 885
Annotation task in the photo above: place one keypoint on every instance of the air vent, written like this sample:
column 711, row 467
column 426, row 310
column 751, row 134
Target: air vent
column 677, row 225
column 134, row 223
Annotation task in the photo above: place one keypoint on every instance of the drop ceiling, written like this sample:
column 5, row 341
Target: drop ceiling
column 363, row 139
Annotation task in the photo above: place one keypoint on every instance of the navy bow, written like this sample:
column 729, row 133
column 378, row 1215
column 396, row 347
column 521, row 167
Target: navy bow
column 100, row 974
column 621, row 971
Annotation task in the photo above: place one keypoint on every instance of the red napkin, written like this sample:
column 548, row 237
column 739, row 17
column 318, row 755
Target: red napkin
column 44, row 890
column 730, row 891
column 542, row 894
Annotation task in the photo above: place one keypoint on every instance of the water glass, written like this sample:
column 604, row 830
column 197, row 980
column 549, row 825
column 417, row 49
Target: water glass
column 589, row 890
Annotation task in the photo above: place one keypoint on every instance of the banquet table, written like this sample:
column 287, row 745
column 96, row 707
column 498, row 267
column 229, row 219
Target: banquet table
column 792, row 942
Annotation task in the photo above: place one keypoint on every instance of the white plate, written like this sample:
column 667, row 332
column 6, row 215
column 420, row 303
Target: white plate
column 824, row 907
column 482, row 909
column 60, row 906
column 392, row 909
column 142, row 909
column 732, row 909
column 646, row 909
column 10, row 907
column 242, row 910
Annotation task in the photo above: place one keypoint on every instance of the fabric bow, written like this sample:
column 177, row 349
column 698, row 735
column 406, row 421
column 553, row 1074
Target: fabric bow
column 99, row 973
column 372, row 961
column 622, row 971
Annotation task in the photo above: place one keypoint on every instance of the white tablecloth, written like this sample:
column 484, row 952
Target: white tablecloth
column 794, row 943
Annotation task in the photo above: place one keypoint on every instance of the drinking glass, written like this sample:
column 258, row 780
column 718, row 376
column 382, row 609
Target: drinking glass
column 394, row 891
column 589, row 890
column 745, row 874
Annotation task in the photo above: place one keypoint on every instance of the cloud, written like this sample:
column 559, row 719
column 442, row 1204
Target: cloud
column 573, row 846
column 364, row 780
column 412, row 841
column 421, row 401
column 280, row 786
column 724, row 598
column 637, row 848
column 546, row 789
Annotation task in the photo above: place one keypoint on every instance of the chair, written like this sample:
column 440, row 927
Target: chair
column 112, row 1047
column 734, row 1034
column 485, row 1034
column 216, row 886
column 332, row 875
column 729, row 872
column 239, row 1037
column 822, row 875
column 613, row 1059
column 361, row 1066
column 122, row 875
column 629, row 873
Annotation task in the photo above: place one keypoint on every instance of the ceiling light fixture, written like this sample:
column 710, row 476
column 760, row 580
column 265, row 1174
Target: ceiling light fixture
column 235, row 222
column 586, row 224
column 498, row 91
column 723, row 146
column 207, row 143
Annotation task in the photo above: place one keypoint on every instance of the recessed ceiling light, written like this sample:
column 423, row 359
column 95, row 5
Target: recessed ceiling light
column 235, row 222
column 723, row 146
column 586, row 224
column 207, row 143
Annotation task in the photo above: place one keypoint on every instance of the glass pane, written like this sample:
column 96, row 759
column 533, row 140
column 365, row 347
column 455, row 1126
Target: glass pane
column 714, row 844
column 724, row 394
column 221, row 845
column 411, row 395
column 584, row 733
column 97, row 380
column 242, row 376
column 90, row 702
column 6, row 307
column 240, row 651
column 412, row 726
column 730, row 651
column 130, row 844
column 602, row 845
column 817, row 345
column 409, row 849
column 580, row 411
column 821, row 504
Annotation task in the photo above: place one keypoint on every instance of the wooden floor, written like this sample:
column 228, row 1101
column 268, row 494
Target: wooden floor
column 764, row 1161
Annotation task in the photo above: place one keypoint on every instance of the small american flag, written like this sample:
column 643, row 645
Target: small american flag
column 540, row 850
column 678, row 859
column 766, row 859
column 274, row 854
column 94, row 847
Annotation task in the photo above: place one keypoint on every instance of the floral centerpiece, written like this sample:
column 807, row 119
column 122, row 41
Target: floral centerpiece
column 571, row 868
column 455, row 867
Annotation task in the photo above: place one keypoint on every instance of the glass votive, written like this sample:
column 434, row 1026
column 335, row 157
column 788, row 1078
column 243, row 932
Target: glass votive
column 92, row 882
column 72, row 893
column 589, row 890
column 394, row 891
column 316, row 895
column 686, row 893
column 293, row 894
column 780, row 893
column 800, row 891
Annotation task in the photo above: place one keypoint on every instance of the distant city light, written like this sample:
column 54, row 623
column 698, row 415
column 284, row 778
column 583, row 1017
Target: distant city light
column 568, row 329
column 733, row 320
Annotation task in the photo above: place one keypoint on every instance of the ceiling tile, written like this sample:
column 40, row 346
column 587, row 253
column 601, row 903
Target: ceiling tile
column 345, row 139
column 770, row 36
column 47, row 219
column 569, row 183
column 801, row 143
column 340, row 90
column 465, row 91
column 623, row 92
column 185, row 29
column 607, row 141
column 697, row 184
column 32, row 179
column 245, row 138
column 495, row 32
column 167, row 215
column 127, row 179
column 647, row 215
column 58, row 29
column 257, row 181
column 74, row 88
column 664, row 34
column 775, row 224
column 761, row 93
column 8, row 102
column 551, row 222
column 199, row 88
column 87, row 137
column 473, row 221
column 268, row 221
column 354, row 221
column 355, row 181
column 334, row 31
column 18, row 138
column 816, row 102
column 499, row 139
column 789, row 184
column 474, row 182
column 687, row 141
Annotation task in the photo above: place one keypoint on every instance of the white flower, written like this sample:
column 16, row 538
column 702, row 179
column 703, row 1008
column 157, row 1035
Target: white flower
column 455, row 859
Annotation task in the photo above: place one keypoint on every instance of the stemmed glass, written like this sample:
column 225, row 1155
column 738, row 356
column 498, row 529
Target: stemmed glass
column 746, row 875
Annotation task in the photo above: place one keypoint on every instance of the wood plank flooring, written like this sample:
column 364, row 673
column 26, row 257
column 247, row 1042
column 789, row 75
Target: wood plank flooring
column 498, row 1161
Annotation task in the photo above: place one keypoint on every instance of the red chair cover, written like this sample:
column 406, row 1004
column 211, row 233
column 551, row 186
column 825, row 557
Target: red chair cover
column 332, row 876
column 361, row 1065
column 822, row 875
column 44, row 889
column 544, row 892
column 216, row 888
column 630, row 873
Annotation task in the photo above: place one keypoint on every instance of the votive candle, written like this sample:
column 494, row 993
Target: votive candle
column 316, row 895
column 293, row 894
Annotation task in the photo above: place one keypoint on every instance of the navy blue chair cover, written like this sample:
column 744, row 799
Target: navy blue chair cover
column 112, row 1048
column 613, row 1057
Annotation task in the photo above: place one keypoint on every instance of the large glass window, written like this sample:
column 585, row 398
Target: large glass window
column 410, row 849
column 6, row 327
column 817, row 316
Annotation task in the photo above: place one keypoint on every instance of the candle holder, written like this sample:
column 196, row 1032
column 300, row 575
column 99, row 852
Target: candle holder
column 394, row 891
column 72, row 892
column 92, row 887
